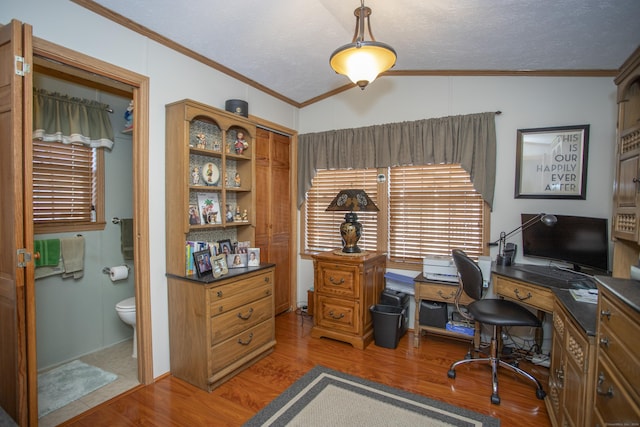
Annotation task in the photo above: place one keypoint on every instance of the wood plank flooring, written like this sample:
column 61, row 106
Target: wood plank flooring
column 172, row 402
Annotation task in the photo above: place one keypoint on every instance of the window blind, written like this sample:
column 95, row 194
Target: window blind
column 433, row 209
column 64, row 182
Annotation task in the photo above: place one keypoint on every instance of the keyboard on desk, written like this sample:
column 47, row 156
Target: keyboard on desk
column 571, row 279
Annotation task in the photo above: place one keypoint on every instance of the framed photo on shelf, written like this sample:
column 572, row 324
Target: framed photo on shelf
column 202, row 261
column 209, row 205
column 219, row 265
column 225, row 247
column 237, row 260
column 253, row 257
column 551, row 163
column 194, row 215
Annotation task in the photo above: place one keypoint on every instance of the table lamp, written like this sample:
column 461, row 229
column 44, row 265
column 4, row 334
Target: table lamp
column 351, row 201
column 504, row 259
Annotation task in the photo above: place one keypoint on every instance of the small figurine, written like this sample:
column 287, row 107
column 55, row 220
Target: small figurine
column 240, row 145
column 128, row 117
column 216, row 145
column 195, row 176
column 229, row 214
column 245, row 215
column 238, row 216
column 210, row 174
column 202, row 140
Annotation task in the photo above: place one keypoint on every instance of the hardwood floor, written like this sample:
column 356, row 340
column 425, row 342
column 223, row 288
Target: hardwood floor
column 172, row 402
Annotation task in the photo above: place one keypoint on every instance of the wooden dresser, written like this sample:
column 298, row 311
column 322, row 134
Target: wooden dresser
column 217, row 329
column 617, row 396
column 344, row 289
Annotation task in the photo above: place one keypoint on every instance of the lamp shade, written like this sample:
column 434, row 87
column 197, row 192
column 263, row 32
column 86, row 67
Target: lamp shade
column 352, row 200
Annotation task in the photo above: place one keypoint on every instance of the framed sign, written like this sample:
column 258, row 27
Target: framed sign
column 551, row 163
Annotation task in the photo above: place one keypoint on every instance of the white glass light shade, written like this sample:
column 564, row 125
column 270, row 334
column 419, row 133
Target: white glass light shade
column 362, row 62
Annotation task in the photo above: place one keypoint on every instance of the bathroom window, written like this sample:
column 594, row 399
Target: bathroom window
column 68, row 187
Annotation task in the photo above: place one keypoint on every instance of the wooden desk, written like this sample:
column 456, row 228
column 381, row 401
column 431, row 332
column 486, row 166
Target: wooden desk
column 430, row 290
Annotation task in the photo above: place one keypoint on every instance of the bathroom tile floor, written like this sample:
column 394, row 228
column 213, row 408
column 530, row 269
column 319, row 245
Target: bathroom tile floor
column 116, row 359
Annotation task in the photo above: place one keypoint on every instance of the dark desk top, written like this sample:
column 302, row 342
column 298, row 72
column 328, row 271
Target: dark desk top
column 584, row 313
column 628, row 290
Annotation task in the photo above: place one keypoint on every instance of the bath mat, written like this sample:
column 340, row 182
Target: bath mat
column 71, row 381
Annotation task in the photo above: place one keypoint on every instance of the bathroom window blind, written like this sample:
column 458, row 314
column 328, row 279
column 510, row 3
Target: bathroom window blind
column 66, row 184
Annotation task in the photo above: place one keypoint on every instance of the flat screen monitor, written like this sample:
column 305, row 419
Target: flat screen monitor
column 580, row 241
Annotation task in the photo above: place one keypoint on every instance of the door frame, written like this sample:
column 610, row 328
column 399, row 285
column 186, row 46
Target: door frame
column 90, row 68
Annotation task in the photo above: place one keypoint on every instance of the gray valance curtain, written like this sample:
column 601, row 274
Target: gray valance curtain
column 469, row 140
column 59, row 118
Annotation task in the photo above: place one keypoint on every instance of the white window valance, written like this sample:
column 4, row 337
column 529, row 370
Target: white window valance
column 60, row 118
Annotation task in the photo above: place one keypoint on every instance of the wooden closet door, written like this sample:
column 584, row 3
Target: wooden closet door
column 273, row 210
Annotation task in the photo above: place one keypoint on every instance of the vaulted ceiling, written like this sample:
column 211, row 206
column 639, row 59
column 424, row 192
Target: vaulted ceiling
column 283, row 46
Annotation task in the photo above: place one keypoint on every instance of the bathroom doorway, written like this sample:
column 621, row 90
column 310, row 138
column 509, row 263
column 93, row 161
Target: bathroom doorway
column 60, row 63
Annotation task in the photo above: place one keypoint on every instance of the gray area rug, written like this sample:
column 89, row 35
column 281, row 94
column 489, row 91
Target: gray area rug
column 62, row 385
column 324, row 397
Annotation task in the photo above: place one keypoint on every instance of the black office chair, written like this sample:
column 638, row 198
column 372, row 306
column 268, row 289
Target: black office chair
column 494, row 312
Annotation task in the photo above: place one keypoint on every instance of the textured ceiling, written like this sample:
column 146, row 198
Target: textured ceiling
column 285, row 45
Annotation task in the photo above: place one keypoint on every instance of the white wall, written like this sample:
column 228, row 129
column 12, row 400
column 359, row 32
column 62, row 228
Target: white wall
column 172, row 77
column 525, row 102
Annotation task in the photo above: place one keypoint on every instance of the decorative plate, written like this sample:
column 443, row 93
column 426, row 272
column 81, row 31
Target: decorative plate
column 210, row 174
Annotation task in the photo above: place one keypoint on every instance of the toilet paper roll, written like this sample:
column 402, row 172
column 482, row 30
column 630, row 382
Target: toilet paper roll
column 120, row 272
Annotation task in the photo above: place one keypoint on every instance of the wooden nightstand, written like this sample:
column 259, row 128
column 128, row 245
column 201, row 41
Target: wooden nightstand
column 344, row 289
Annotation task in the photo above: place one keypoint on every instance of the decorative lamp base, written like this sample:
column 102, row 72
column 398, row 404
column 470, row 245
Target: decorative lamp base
column 350, row 230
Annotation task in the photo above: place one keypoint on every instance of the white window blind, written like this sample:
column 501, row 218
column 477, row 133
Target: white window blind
column 433, row 209
column 323, row 228
column 64, row 182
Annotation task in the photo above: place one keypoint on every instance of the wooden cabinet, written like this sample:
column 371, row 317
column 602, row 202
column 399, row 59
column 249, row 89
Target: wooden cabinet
column 345, row 287
column 217, row 329
column 273, row 231
column 571, row 383
column 439, row 292
column 617, row 376
column 626, row 196
column 210, row 178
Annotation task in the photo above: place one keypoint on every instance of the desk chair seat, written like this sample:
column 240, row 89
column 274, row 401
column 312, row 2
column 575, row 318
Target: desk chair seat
column 494, row 312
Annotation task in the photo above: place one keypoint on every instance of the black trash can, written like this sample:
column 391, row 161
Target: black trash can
column 399, row 299
column 387, row 324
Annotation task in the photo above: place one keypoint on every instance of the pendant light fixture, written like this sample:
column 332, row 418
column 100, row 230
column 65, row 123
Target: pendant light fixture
column 362, row 61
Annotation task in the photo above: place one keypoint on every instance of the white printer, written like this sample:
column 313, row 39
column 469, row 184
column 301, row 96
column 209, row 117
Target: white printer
column 439, row 267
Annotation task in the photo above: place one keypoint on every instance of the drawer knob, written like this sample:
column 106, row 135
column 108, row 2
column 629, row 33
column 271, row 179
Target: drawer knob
column 605, row 313
column 517, row 292
column 249, row 313
column 267, row 279
column 247, row 342
column 609, row 392
column 336, row 282
column 340, row 316
column 604, row 342
column 443, row 296
column 219, row 294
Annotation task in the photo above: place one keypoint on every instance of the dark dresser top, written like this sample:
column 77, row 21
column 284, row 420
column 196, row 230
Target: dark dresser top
column 628, row 290
column 584, row 313
column 233, row 272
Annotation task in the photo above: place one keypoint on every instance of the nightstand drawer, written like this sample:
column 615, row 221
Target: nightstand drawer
column 440, row 292
column 237, row 320
column 338, row 314
column 337, row 279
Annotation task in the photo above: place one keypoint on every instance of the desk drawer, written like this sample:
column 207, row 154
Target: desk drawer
column 338, row 314
column 612, row 403
column 238, row 346
column 237, row 320
column 440, row 292
column 531, row 295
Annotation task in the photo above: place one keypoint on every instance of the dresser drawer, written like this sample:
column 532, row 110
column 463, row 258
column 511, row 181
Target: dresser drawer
column 338, row 279
column 338, row 314
column 613, row 404
column 617, row 339
column 534, row 296
column 234, row 321
column 238, row 346
column 440, row 292
column 229, row 297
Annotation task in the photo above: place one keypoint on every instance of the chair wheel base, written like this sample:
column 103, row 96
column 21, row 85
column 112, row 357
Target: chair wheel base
column 451, row 374
column 540, row 394
column 495, row 399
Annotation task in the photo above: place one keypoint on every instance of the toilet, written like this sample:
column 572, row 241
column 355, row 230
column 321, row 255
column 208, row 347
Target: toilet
column 127, row 312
